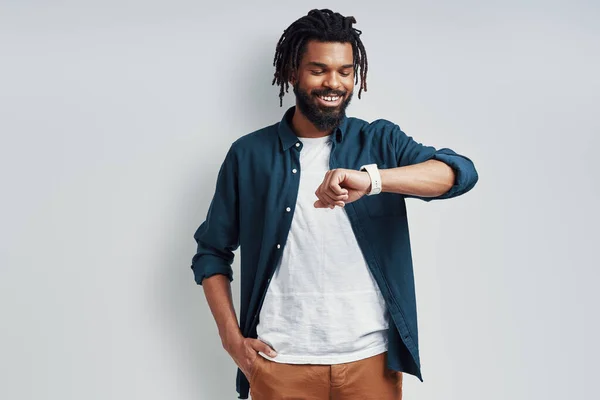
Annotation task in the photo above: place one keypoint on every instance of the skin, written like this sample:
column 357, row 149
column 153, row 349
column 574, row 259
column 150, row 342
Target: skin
column 243, row 351
column 329, row 65
column 323, row 66
column 326, row 65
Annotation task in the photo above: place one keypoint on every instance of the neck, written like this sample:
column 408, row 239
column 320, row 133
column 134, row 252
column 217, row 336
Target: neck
column 302, row 127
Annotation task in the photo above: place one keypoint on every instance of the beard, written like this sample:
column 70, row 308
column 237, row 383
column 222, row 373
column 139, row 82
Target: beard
column 324, row 118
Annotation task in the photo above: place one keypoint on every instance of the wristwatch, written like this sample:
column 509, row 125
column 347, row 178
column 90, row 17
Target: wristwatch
column 373, row 172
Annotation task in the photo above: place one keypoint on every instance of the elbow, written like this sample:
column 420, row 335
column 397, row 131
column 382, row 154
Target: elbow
column 473, row 178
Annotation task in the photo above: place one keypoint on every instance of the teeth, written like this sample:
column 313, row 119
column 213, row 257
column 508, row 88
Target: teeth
column 334, row 98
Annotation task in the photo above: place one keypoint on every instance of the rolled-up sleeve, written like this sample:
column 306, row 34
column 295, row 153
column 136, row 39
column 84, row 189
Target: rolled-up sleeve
column 409, row 152
column 218, row 236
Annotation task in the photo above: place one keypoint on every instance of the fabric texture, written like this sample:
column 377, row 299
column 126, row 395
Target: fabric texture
column 259, row 180
column 322, row 284
column 367, row 379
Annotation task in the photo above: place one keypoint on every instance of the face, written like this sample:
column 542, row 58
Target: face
column 324, row 83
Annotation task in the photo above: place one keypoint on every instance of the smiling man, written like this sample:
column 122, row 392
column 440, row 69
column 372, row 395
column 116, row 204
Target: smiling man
column 317, row 204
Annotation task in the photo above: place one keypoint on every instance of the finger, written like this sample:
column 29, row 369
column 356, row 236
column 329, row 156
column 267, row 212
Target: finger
column 259, row 345
column 326, row 178
column 334, row 181
column 331, row 182
column 333, row 194
column 320, row 204
column 326, row 201
column 331, row 202
column 335, row 198
column 328, row 198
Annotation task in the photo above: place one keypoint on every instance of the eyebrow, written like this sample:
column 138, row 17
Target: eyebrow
column 321, row 65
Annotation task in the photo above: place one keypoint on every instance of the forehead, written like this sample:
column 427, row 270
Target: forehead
column 330, row 53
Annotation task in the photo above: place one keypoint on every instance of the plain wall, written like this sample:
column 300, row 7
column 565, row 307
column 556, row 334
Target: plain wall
column 116, row 115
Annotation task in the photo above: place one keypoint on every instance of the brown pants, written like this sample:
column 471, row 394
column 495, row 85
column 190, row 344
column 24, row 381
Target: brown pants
column 367, row 379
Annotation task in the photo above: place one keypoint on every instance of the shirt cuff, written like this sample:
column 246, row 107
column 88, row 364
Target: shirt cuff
column 208, row 265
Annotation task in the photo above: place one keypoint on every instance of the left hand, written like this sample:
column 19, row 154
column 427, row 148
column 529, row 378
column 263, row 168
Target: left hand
column 341, row 186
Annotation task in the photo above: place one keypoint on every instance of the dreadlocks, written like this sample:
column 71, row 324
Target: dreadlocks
column 324, row 26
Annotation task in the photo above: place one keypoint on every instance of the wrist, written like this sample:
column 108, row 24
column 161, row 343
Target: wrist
column 231, row 340
column 383, row 173
column 369, row 178
column 375, row 178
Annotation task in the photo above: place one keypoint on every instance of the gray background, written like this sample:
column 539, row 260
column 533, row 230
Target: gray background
column 115, row 117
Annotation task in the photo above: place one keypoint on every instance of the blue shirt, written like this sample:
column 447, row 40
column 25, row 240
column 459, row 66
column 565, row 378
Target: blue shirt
column 259, row 179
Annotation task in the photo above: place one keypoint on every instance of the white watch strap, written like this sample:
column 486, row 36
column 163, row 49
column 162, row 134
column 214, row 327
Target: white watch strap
column 373, row 172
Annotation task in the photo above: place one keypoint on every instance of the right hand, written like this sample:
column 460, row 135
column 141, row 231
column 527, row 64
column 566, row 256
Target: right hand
column 245, row 352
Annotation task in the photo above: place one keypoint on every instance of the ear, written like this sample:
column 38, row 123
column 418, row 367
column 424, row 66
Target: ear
column 294, row 77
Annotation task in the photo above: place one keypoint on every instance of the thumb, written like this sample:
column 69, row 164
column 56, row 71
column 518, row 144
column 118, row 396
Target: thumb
column 320, row 204
column 259, row 345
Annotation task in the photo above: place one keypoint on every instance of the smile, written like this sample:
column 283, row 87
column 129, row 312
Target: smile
column 330, row 100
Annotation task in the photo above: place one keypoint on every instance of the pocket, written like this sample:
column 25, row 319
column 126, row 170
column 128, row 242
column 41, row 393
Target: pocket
column 399, row 378
column 255, row 366
column 395, row 377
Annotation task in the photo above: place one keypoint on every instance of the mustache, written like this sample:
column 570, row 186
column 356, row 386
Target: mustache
column 327, row 93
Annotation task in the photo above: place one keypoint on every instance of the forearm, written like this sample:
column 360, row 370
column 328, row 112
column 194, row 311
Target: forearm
column 217, row 290
column 427, row 179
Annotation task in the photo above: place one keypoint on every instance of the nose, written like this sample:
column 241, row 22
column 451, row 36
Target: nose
column 332, row 81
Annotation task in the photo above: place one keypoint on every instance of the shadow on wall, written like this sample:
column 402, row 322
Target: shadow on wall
column 184, row 315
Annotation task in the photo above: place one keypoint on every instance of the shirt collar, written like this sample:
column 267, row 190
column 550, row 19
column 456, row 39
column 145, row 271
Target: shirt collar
column 288, row 138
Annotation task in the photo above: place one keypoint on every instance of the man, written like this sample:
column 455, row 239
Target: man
column 317, row 204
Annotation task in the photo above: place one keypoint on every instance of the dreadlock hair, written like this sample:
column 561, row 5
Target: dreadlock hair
column 324, row 26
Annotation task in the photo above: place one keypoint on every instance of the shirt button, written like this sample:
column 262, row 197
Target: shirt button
column 294, row 170
column 278, row 246
column 288, row 209
column 297, row 144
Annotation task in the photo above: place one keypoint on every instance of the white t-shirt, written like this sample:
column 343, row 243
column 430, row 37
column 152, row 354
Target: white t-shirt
column 322, row 306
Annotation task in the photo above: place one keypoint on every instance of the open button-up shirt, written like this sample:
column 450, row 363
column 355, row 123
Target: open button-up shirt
column 253, row 206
